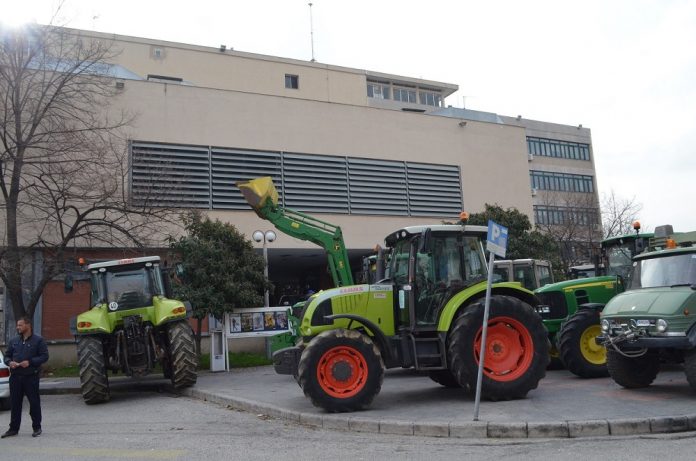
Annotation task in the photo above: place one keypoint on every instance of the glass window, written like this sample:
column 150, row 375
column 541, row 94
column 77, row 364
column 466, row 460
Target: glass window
column 292, row 81
column 399, row 271
column 665, row 271
column 130, row 289
column 377, row 90
column 405, row 95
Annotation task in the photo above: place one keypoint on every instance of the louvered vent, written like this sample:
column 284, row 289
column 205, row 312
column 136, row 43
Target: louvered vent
column 232, row 165
column 377, row 187
column 433, row 190
column 315, row 183
column 169, row 175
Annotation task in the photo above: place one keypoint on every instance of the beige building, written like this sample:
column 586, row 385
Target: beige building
column 364, row 150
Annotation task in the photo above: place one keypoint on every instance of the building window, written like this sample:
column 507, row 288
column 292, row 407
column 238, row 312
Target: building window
column 430, row 98
column 560, row 215
column 559, row 149
column 378, row 90
column 405, row 95
column 546, row 180
column 292, row 81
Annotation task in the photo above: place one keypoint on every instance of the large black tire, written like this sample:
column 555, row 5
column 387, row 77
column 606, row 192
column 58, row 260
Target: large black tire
column 517, row 348
column 690, row 367
column 633, row 373
column 182, row 355
column 341, row 370
column 93, row 374
column 579, row 352
column 444, row 378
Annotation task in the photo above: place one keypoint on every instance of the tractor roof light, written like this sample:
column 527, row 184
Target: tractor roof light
column 636, row 225
column 670, row 243
column 463, row 217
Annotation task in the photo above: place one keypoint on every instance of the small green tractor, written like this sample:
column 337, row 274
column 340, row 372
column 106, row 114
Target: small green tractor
column 654, row 321
column 571, row 308
column 132, row 326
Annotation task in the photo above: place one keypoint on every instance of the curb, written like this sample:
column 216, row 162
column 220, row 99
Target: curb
column 468, row 430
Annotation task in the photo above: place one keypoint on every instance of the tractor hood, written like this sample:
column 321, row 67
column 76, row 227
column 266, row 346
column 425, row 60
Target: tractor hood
column 661, row 301
column 574, row 284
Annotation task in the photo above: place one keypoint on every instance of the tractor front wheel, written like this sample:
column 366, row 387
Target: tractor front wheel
column 341, row 370
column 183, row 360
column 94, row 381
column 580, row 354
column 517, row 348
column 633, row 372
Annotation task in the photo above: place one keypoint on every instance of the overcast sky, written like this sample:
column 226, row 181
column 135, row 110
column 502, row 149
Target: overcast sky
column 625, row 69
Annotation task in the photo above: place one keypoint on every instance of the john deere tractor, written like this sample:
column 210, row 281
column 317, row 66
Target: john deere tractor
column 132, row 326
column 571, row 308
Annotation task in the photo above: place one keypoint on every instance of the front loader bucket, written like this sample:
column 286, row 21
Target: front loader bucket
column 257, row 191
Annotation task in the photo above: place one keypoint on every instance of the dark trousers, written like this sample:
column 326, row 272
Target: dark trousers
column 21, row 385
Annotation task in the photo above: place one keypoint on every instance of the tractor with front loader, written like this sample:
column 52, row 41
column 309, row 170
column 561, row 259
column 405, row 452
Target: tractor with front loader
column 428, row 315
column 133, row 325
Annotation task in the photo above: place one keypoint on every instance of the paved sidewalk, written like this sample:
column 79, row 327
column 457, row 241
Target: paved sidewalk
column 562, row 406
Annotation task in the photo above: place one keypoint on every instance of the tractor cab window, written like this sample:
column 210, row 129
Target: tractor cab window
column 545, row 276
column 666, row 271
column 619, row 260
column 130, row 289
column 525, row 275
column 97, row 290
column 399, row 262
column 474, row 260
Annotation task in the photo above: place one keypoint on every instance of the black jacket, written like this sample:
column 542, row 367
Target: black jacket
column 33, row 349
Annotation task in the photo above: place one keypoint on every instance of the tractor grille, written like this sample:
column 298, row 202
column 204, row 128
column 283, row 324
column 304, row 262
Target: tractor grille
column 558, row 308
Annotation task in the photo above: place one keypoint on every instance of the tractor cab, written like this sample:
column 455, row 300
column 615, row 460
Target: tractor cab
column 429, row 264
column 126, row 283
column 531, row 273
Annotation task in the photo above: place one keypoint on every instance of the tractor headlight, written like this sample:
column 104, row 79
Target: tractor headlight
column 605, row 325
column 661, row 325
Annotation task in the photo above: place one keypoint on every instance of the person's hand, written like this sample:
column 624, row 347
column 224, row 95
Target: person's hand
column 13, row 364
column 24, row 363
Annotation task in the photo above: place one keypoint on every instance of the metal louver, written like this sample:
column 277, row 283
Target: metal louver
column 433, row 190
column 315, row 183
column 169, row 175
column 232, row 165
column 377, row 187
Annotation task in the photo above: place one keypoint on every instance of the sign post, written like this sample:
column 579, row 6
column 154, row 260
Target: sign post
column 496, row 244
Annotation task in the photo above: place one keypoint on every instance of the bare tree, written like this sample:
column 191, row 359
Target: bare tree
column 618, row 214
column 573, row 220
column 63, row 168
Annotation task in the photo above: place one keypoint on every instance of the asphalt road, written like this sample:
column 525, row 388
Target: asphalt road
column 149, row 425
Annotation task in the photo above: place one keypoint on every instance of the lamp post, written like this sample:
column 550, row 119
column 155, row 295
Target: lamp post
column 265, row 237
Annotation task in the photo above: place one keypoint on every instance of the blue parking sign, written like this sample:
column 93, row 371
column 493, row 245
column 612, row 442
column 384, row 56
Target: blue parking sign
column 496, row 241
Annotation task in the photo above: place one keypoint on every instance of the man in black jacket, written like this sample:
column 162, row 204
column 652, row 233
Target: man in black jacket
column 24, row 356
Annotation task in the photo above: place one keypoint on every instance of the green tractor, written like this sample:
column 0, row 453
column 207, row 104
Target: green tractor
column 428, row 316
column 571, row 309
column 133, row 325
column 654, row 321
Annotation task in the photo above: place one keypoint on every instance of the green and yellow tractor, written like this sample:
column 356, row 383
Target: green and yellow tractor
column 132, row 326
column 428, row 315
column 571, row 308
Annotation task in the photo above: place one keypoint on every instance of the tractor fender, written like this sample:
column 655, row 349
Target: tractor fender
column 473, row 293
column 592, row 306
column 371, row 327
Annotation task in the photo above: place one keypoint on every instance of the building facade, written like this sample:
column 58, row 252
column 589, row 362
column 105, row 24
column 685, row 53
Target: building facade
column 367, row 151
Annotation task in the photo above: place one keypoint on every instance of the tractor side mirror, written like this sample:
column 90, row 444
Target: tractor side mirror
column 639, row 246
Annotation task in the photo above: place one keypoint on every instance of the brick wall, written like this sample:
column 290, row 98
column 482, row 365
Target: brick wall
column 59, row 307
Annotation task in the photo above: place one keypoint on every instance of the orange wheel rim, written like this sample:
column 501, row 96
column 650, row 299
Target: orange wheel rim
column 342, row 372
column 509, row 349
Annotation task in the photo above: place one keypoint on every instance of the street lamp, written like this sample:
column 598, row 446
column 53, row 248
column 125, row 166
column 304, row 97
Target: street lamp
column 265, row 237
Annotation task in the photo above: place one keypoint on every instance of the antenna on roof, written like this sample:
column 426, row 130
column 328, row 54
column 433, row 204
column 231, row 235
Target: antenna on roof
column 311, row 29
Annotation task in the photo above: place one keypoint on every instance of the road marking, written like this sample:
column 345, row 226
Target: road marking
column 99, row 452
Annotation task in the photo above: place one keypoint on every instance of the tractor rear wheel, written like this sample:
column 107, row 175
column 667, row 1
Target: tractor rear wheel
column 94, row 381
column 183, row 360
column 633, row 372
column 580, row 354
column 444, row 378
column 341, row 370
column 517, row 348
